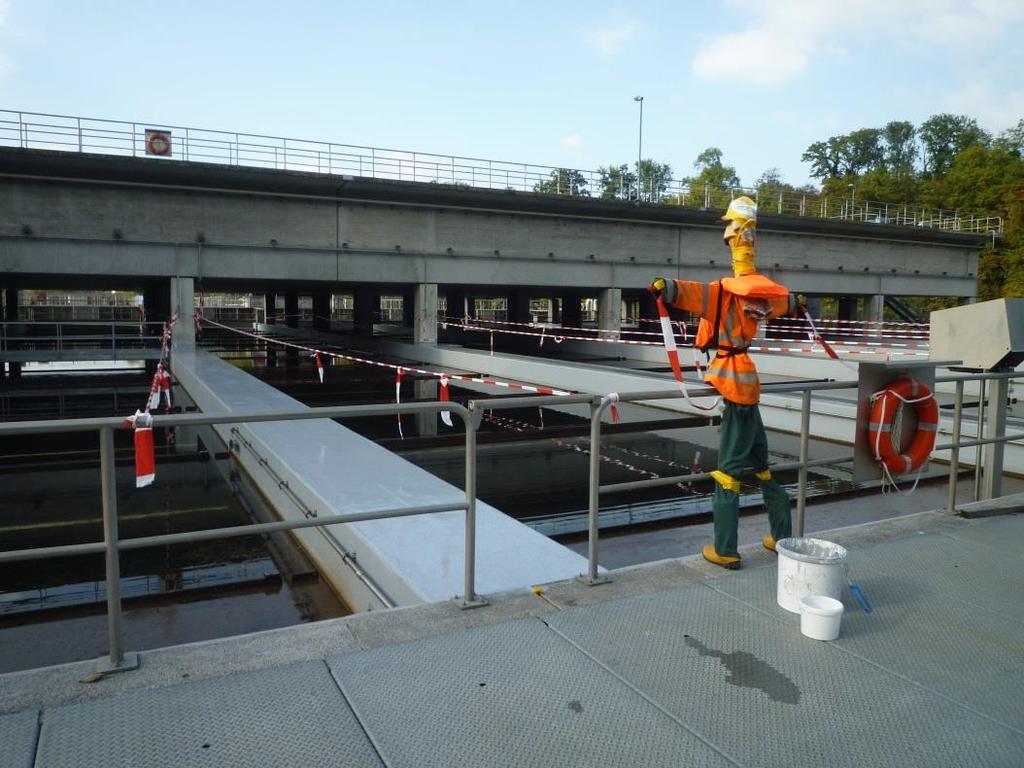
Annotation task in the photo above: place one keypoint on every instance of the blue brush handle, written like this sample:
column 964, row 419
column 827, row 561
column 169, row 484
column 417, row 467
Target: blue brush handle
column 859, row 597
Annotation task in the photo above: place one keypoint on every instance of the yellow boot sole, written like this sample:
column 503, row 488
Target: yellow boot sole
column 726, row 561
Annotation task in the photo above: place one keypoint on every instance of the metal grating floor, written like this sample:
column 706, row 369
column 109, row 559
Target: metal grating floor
column 708, row 673
column 511, row 694
column 291, row 715
column 741, row 674
column 18, row 739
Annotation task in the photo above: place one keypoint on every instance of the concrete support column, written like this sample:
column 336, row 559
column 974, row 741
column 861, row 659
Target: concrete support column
column 291, row 309
column 609, row 312
column 426, row 389
column 572, row 310
column 518, row 306
column 183, row 301
column 874, row 308
column 367, row 303
column 424, row 327
column 322, row 310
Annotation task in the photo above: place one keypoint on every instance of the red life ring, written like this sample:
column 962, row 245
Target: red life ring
column 158, row 143
column 883, row 413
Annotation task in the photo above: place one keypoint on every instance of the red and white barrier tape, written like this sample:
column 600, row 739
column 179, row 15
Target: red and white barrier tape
column 535, row 388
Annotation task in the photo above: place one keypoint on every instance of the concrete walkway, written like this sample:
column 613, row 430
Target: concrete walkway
column 674, row 663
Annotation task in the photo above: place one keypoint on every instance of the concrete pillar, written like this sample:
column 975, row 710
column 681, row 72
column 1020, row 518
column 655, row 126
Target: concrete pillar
column 183, row 302
column 424, row 327
column 367, row 303
column 291, row 309
column 426, row 389
column 572, row 311
column 322, row 310
column 874, row 308
column 518, row 304
column 609, row 312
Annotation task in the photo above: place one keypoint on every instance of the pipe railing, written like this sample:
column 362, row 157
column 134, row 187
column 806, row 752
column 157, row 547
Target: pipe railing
column 61, row 335
column 471, row 416
column 112, row 544
column 30, row 130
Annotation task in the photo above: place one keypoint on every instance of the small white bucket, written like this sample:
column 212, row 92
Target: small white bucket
column 820, row 617
column 809, row 567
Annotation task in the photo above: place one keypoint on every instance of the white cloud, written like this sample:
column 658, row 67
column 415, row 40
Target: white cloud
column 776, row 41
column 995, row 110
column 572, row 141
column 609, row 39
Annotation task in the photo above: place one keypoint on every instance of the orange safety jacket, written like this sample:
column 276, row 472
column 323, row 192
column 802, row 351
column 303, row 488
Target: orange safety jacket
column 723, row 303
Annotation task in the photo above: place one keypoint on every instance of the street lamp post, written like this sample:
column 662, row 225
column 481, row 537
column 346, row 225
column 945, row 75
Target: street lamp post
column 853, row 200
column 640, row 146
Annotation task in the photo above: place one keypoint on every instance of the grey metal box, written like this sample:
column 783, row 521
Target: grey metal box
column 984, row 336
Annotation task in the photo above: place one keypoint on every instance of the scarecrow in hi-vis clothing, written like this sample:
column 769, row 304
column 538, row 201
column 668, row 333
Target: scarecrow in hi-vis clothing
column 731, row 310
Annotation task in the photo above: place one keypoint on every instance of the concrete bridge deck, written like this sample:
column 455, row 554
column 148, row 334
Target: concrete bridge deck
column 674, row 663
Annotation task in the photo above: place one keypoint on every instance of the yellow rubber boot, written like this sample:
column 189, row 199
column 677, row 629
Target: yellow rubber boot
column 768, row 542
column 726, row 561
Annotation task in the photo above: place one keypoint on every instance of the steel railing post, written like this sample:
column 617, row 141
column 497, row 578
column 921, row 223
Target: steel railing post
column 108, row 479
column 469, row 596
column 597, row 408
column 954, row 453
column 805, row 428
column 977, row 449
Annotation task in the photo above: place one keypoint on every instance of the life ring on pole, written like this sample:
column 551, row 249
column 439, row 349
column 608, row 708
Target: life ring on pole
column 158, row 143
column 885, row 407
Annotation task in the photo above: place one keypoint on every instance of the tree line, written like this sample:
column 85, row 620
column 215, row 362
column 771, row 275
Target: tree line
column 948, row 162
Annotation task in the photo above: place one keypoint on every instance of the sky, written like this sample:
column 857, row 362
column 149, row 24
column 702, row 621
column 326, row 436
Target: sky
column 551, row 83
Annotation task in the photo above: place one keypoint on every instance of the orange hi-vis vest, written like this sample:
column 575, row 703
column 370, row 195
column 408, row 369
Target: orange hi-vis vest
column 726, row 303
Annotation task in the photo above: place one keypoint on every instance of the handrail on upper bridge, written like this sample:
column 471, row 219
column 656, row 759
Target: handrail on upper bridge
column 38, row 130
column 471, row 416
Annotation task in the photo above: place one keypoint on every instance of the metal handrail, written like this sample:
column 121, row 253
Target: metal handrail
column 119, row 137
column 471, row 416
column 112, row 544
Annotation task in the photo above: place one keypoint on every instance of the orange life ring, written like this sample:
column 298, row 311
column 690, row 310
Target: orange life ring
column 883, row 413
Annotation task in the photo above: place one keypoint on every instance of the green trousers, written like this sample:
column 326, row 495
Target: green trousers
column 743, row 442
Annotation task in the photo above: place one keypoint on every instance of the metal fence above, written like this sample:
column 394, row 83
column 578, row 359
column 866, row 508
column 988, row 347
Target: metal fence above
column 34, row 130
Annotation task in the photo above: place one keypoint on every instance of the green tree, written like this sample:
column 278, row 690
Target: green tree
column 654, row 178
column 617, row 182
column 825, row 159
column 713, row 185
column 1012, row 139
column 860, row 150
column 899, row 148
column 944, row 136
column 563, row 181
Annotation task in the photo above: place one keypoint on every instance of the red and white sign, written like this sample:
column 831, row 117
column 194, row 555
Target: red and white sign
column 158, row 142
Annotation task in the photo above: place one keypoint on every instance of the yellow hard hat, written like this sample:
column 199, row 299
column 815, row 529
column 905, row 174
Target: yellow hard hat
column 743, row 211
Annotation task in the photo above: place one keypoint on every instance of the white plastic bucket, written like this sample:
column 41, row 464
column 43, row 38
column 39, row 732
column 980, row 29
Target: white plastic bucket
column 820, row 617
column 809, row 567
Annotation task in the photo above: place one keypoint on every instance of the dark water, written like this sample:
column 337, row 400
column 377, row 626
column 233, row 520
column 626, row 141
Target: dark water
column 53, row 611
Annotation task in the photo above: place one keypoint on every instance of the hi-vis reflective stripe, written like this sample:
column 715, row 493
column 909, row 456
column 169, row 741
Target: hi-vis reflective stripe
column 727, row 373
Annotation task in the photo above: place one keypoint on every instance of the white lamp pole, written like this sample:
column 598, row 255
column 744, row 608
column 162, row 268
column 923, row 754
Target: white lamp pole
column 640, row 146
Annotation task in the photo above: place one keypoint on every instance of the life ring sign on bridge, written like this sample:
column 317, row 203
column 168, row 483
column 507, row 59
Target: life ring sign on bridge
column 880, row 388
column 158, row 142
